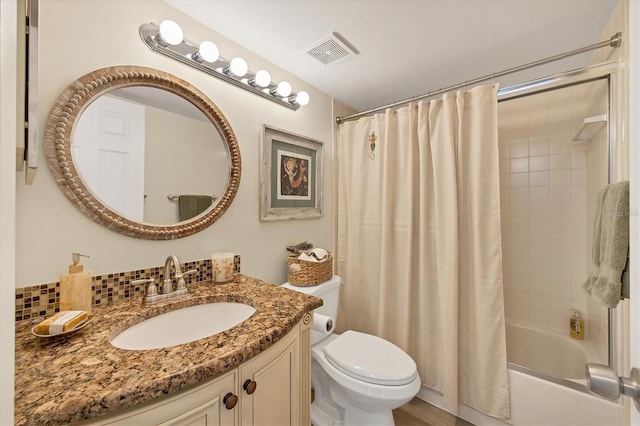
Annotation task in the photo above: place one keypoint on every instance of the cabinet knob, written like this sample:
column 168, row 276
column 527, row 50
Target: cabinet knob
column 230, row 400
column 250, row 386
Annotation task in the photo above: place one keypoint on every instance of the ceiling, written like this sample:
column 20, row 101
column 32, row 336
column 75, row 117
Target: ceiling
column 407, row 47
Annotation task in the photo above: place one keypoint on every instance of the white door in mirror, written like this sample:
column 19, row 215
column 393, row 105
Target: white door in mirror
column 109, row 148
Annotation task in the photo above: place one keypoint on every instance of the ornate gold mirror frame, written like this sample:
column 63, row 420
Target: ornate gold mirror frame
column 59, row 132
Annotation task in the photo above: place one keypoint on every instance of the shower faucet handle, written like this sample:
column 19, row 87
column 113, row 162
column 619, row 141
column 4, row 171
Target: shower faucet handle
column 603, row 380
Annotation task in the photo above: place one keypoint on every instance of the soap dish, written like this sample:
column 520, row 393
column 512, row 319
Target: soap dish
column 62, row 333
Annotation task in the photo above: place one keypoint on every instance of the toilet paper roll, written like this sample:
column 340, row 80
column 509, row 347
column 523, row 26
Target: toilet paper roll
column 222, row 267
column 323, row 324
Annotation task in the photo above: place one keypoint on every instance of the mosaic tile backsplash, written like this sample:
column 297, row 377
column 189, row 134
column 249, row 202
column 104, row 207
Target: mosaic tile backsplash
column 44, row 300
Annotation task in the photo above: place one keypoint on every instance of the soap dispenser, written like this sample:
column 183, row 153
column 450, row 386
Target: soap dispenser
column 576, row 325
column 75, row 287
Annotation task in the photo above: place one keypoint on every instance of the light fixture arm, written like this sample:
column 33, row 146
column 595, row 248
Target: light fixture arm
column 184, row 52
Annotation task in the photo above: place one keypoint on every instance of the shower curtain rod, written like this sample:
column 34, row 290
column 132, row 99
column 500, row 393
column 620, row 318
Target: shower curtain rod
column 614, row 41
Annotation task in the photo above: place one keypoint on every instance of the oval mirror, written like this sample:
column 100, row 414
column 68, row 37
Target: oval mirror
column 142, row 152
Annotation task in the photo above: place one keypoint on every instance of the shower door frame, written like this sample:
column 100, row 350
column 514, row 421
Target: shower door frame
column 615, row 124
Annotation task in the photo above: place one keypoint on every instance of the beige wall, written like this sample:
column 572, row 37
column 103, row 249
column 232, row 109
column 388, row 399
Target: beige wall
column 186, row 156
column 8, row 176
column 77, row 37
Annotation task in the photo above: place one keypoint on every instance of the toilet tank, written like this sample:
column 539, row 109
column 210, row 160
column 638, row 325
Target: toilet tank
column 328, row 291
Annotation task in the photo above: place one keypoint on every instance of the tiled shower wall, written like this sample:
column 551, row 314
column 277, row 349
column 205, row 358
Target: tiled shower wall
column 548, row 186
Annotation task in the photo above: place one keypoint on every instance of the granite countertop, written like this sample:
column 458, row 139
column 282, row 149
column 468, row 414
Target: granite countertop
column 81, row 375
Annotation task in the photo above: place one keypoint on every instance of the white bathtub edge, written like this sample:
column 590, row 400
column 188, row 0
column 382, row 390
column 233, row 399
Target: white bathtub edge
column 538, row 402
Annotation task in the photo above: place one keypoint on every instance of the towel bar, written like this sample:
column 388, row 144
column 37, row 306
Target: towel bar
column 173, row 197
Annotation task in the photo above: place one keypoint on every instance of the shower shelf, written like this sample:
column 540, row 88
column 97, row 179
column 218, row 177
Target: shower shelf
column 589, row 127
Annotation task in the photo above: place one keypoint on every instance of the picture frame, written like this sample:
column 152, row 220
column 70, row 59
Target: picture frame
column 291, row 176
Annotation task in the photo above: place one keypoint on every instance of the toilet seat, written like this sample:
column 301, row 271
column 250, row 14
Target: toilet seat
column 370, row 359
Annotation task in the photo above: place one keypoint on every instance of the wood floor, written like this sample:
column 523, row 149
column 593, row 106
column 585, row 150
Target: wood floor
column 419, row 413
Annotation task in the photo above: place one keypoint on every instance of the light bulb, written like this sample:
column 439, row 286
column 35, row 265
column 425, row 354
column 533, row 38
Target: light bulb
column 302, row 98
column 208, row 51
column 284, row 89
column 238, row 66
column 263, row 78
column 170, row 32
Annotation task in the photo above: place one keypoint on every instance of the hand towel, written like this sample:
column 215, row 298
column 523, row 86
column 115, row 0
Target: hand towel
column 192, row 205
column 625, row 281
column 610, row 252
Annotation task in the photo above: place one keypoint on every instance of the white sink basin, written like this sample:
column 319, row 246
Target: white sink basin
column 183, row 326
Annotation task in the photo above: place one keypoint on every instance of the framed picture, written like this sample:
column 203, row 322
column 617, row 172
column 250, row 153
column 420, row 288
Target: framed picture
column 290, row 176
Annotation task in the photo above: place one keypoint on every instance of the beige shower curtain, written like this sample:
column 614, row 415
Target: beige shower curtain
column 419, row 244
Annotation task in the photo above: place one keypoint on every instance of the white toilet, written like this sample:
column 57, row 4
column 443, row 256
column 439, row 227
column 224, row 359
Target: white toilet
column 357, row 378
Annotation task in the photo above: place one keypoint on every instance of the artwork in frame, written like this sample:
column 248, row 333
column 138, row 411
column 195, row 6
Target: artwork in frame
column 290, row 176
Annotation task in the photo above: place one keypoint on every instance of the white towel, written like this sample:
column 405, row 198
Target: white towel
column 315, row 255
column 610, row 253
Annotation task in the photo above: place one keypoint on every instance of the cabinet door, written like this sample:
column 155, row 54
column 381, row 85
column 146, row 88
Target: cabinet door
column 275, row 400
column 202, row 405
column 205, row 415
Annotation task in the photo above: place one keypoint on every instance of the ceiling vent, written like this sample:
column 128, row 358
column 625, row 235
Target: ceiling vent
column 332, row 49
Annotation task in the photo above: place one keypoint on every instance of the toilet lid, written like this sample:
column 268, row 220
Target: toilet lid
column 370, row 359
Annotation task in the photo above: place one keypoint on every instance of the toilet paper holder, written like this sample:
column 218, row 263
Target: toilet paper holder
column 329, row 325
column 603, row 380
column 322, row 323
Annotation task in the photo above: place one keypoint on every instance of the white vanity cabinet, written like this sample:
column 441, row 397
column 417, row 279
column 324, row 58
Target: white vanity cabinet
column 269, row 389
column 270, row 386
column 202, row 405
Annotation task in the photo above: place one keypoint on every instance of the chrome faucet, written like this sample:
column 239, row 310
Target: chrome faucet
column 167, row 287
column 152, row 292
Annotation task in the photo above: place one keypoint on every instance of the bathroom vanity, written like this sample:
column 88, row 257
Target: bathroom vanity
column 257, row 372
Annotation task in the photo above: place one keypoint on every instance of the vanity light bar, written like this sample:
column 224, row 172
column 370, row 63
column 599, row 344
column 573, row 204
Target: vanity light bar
column 167, row 39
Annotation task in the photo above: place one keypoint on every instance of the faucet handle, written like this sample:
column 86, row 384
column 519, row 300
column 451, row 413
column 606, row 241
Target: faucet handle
column 151, row 289
column 143, row 281
column 180, row 277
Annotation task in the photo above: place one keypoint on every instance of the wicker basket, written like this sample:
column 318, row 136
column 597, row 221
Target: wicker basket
column 310, row 273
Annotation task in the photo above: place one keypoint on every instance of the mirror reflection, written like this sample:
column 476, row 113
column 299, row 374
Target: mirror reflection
column 150, row 155
column 142, row 152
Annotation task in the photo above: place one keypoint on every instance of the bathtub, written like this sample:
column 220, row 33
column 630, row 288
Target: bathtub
column 547, row 353
column 546, row 384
